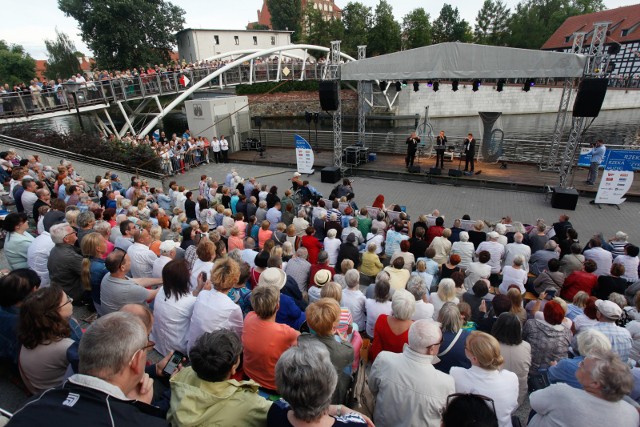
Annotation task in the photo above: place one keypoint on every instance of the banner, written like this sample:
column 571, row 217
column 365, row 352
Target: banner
column 631, row 157
column 617, row 176
column 304, row 155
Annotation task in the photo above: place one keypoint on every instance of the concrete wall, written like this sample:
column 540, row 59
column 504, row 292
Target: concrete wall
column 513, row 100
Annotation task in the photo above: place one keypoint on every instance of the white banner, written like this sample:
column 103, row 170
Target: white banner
column 613, row 186
column 304, row 155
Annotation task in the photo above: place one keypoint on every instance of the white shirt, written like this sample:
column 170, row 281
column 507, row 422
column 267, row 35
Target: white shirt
column 38, row 256
column 630, row 267
column 28, row 199
column 158, row 265
column 199, row 266
column 514, row 249
column 374, row 310
column 603, row 259
column 224, row 145
column 212, row 311
column 513, row 276
column 332, row 247
column 142, row 259
column 475, row 272
column 215, row 145
column 424, row 310
column 249, row 256
column 171, row 319
column 465, row 250
column 497, row 252
column 354, row 300
column 378, row 239
column 438, row 303
column 501, row 386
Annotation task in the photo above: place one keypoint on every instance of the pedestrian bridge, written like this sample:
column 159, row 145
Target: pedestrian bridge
column 165, row 90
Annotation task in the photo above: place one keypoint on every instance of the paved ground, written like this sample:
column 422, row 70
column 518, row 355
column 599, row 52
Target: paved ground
column 419, row 198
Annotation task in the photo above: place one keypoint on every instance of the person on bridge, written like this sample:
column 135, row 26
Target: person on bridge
column 469, row 152
column 597, row 156
column 412, row 147
column 441, row 146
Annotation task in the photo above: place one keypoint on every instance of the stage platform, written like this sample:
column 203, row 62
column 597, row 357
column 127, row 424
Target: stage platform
column 516, row 176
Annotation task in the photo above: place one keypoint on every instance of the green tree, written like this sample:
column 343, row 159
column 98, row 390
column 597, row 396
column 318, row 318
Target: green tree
column 356, row 19
column 449, row 27
column 384, row 36
column 319, row 31
column 16, row 66
column 492, row 23
column 124, row 34
column 62, row 61
column 286, row 15
column 256, row 26
column 416, row 29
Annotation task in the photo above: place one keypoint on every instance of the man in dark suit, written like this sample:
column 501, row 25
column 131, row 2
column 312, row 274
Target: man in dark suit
column 469, row 152
column 441, row 146
column 412, row 147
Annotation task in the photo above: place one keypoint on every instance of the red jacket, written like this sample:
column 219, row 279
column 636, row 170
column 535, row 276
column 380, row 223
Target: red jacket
column 313, row 246
column 433, row 232
column 576, row 282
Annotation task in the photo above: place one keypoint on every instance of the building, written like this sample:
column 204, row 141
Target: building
column 328, row 9
column 197, row 45
column 623, row 32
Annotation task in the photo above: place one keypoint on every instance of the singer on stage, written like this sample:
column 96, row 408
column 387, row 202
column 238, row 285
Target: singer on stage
column 441, row 146
column 412, row 147
column 469, row 152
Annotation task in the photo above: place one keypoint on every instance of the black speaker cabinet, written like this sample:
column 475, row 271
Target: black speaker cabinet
column 330, row 175
column 328, row 95
column 455, row 172
column 435, row 171
column 564, row 198
column 414, row 169
column 590, row 97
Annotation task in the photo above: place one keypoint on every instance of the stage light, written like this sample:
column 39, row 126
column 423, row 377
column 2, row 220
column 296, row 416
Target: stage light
column 436, row 86
column 500, row 85
column 398, row 86
column 308, row 117
column 527, row 84
column 416, row 86
column 454, row 85
column 383, row 86
column 404, row 83
column 532, row 82
column 476, row 85
column 430, row 83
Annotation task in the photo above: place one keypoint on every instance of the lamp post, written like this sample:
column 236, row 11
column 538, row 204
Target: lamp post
column 72, row 88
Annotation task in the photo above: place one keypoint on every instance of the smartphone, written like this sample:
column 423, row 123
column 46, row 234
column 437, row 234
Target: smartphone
column 551, row 295
column 203, row 276
column 173, row 363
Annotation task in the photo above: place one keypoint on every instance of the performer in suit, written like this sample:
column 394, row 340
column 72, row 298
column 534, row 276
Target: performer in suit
column 469, row 152
column 441, row 146
column 412, row 147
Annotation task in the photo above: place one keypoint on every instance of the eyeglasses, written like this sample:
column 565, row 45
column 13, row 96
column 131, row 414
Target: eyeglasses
column 124, row 254
column 438, row 343
column 69, row 234
column 147, row 348
column 488, row 400
column 69, row 301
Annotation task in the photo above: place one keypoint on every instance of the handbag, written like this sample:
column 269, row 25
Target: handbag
column 538, row 381
column 451, row 344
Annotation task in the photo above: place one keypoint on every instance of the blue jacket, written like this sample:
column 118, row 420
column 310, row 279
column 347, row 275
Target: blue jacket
column 289, row 313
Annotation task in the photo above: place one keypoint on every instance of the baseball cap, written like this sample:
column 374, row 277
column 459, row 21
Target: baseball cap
column 114, row 176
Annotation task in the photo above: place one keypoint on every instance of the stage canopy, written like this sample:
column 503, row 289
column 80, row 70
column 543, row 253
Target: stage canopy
column 465, row 61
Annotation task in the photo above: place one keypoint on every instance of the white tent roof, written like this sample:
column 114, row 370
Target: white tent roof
column 465, row 61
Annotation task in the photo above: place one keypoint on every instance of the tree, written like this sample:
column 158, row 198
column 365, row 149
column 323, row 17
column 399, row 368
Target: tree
column 492, row 23
column 449, row 27
column 384, row 36
column 62, row 61
column 286, row 15
column 356, row 19
column 319, row 31
column 416, row 29
column 124, row 34
column 16, row 66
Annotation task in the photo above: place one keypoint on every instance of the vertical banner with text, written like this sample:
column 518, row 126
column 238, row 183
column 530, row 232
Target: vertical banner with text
column 617, row 176
column 304, row 155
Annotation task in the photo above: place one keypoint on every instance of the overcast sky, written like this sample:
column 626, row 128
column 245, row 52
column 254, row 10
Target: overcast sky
column 29, row 24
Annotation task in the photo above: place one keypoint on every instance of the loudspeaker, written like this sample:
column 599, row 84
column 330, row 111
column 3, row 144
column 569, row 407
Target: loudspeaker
column 590, row 96
column 328, row 95
column 564, row 198
column 414, row 169
column 330, row 175
column 455, row 172
column 435, row 171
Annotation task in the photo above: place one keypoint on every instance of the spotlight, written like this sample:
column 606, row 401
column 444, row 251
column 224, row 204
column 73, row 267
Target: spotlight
column 500, row 85
column 308, row 116
column 527, row 84
column 404, row 83
column 532, row 82
column 398, row 86
column 436, row 86
column 430, row 83
column 476, row 85
column 416, row 86
column 454, row 85
column 383, row 86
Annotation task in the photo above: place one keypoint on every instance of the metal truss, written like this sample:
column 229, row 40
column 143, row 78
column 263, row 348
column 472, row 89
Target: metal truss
column 362, row 53
column 333, row 73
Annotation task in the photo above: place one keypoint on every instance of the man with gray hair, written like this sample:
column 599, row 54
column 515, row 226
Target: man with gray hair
column 167, row 253
column 540, row 259
column 249, row 252
column 517, row 248
column 142, row 258
column 409, row 391
column 353, row 298
column 495, row 249
column 352, row 228
column 112, row 387
column 85, row 222
column 299, row 268
column 65, row 263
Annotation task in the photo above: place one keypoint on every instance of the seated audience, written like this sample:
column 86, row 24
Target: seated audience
column 454, row 338
column 391, row 331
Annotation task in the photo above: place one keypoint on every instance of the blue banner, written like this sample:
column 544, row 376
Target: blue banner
column 627, row 160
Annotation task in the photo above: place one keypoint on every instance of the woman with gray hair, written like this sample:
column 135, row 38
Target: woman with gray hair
column 446, row 293
column 379, row 303
column 453, row 339
column 306, row 380
column 418, row 288
column 392, row 332
column 465, row 249
column 332, row 246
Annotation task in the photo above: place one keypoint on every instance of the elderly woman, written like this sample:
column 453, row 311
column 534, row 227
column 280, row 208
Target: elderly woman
column 418, row 288
column 446, row 293
column 332, row 246
column 94, row 249
column 371, row 264
column 398, row 275
column 516, row 352
column 487, row 377
column 380, row 304
column 453, row 339
column 451, row 266
column 442, row 246
column 514, row 274
column 44, row 332
column 409, row 259
column 477, row 235
column 614, row 282
column 206, row 254
column 549, row 338
column 17, row 241
column 391, row 331
column 323, row 318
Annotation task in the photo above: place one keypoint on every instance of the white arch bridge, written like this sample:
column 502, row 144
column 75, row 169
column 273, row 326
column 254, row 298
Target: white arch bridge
column 144, row 100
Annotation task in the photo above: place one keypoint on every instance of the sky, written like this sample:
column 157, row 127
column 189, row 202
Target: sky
column 41, row 18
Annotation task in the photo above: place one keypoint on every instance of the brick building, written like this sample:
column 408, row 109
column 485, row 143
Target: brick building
column 328, row 9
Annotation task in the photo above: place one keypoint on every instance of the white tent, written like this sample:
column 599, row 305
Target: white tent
column 465, row 61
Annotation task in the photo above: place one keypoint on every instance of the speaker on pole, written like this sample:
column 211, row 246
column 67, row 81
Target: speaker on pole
column 590, row 97
column 328, row 95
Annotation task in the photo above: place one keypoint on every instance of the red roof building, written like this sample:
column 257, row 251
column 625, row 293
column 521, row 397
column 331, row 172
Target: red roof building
column 624, row 29
column 328, row 9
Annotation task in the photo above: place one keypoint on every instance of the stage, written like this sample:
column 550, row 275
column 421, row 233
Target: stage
column 516, row 176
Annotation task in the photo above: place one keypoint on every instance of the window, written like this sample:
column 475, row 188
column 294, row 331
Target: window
column 237, row 39
column 255, row 40
column 273, row 40
column 216, row 39
column 625, row 32
column 566, row 39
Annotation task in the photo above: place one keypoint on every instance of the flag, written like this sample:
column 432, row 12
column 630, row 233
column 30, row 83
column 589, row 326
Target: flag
column 184, row 80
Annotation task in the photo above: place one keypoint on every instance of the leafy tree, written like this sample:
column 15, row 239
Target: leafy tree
column 492, row 23
column 356, row 19
column 416, row 29
column 256, row 26
column 16, row 66
column 319, row 31
column 63, row 61
column 286, row 15
column 124, row 34
column 449, row 27
column 384, row 36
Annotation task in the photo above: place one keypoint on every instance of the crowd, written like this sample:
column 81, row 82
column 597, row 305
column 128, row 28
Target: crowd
column 251, row 294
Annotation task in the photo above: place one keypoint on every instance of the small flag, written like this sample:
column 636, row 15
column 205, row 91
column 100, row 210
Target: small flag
column 184, row 80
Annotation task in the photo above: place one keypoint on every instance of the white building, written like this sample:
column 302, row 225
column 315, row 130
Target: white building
column 196, row 45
